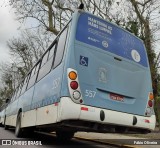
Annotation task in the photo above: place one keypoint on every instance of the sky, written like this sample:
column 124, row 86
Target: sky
column 8, row 28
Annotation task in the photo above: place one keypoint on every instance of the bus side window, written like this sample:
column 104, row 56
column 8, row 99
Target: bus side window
column 46, row 67
column 25, row 84
column 44, row 60
column 33, row 77
column 37, row 68
column 33, row 71
column 15, row 95
column 19, row 90
column 51, row 51
column 60, row 47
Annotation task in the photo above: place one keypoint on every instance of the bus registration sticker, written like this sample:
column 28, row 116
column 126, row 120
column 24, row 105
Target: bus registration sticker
column 116, row 97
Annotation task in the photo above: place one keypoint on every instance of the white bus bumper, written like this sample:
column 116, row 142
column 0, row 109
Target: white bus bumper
column 68, row 110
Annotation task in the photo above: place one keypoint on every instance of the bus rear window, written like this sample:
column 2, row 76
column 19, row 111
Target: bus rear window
column 109, row 37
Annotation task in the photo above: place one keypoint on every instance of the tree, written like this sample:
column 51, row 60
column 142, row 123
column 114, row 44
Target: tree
column 47, row 14
column 24, row 52
column 27, row 49
column 52, row 15
column 7, row 89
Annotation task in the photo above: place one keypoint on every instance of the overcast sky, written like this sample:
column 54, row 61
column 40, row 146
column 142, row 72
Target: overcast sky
column 8, row 29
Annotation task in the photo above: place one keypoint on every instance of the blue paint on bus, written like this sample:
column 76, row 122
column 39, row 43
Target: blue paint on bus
column 104, row 35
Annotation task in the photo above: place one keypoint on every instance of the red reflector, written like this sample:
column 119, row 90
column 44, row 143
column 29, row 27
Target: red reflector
column 74, row 85
column 84, row 108
column 150, row 103
column 147, row 121
column 81, row 101
column 55, row 104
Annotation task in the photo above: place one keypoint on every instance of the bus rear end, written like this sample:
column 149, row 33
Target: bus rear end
column 108, row 78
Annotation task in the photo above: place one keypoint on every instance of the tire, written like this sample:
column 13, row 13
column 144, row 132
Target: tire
column 64, row 136
column 23, row 132
column 19, row 131
column 5, row 126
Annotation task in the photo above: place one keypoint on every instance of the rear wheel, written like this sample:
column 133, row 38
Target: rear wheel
column 64, row 135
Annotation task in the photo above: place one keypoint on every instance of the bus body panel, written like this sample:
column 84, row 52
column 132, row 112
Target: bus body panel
column 13, row 111
column 109, row 79
column 43, row 106
column 24, row 103
column 40, row 106
column 104, row 76
column 28, row 118
column 46, row 95
column 92, row 114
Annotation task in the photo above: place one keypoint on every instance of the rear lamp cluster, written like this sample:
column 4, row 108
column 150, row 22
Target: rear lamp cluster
column 150, row 104
column 150, row 101
column 74, row 87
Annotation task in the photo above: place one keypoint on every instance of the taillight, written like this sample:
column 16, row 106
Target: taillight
column 150, row 103
column 149, row 109
column 151, row 99
column 73, row 85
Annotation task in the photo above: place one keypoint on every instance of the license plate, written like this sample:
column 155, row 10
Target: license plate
column 117, row 97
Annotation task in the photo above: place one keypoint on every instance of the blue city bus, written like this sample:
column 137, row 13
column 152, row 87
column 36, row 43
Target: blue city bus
column 94, row 77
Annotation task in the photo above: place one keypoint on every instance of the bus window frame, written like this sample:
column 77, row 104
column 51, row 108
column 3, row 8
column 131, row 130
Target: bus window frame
column 15, row 94
column 54, row 45
column 45, row 57
column 19, row 89
column 35, row 71
column 25, row 83
column 64, row 48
